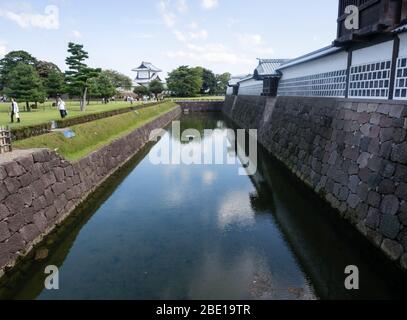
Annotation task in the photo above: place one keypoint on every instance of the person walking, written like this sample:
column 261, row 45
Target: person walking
column 62, row 108
column 15, row 111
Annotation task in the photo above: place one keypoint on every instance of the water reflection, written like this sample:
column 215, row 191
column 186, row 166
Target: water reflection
column 204, row 232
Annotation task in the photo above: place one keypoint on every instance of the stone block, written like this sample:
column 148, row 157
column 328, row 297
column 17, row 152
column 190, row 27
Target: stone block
column 374, row 199
column 12, row 185
column 15, row 243
column 14, row 203
column 363, row 160
column 392, row 249
column 26, row 194
column 399, row 153
column 353, row 201
column 390, row 205
column 59, row 174
column 4, row 231
column 389, row 226
column 13, row 169
column 3, row 191
column 26, row 162
column 401, row 191
column 40, row 221
column 373, row 218
column 386, row 187
column 4, row 212
column 25, row 179
column 29, row 232
column 397, row 111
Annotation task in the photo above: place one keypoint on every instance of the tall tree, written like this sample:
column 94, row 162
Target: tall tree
column 141, row 91
column 185, row 81
column 79, row 74
column 102, row 87
column 118, row 79
column 222, row 81
column 156, row 88
column 209, row 82
column 10, row 61
column 54, row 83
column 24, row 84
column 44, row 68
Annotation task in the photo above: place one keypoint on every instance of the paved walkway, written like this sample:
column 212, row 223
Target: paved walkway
column 9, row 156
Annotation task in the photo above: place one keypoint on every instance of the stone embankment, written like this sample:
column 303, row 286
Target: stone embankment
column 353, row 153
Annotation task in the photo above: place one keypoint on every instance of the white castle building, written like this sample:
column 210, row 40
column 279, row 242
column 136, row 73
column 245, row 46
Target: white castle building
column 146, row 73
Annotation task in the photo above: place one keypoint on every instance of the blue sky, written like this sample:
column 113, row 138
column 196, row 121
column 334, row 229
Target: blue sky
column 222, row 35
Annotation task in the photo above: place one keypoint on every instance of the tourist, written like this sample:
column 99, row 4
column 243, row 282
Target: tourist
column 62, row 108
column 15, row 111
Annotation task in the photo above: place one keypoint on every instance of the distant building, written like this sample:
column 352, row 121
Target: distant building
column 146, row 73
column 264, row 80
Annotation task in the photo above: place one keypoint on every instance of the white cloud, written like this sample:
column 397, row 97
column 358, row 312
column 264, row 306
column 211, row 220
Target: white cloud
column 49, row 20
column 191, row 35
column 254, row 43
column 209, row 4
column 76, row 34
column 169, row 18
column 182, row 6
column 210, row 53
column 247, row 39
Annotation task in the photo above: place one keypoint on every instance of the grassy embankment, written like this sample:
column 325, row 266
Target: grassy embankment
column 46, row 113
column 94, row 135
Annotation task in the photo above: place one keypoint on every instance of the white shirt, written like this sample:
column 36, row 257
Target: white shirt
column 61, row 105
column 14, row 107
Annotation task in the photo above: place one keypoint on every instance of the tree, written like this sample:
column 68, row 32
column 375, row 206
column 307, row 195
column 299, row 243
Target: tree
column 185, row 81
column 141, row 91
column 54, row 83
column 209, row 82
column 118, row 79
column 156, row 88
column 79, row 74
column 24, row 84
column 222, row 81
column 44, row 68
column 10, row 61
column 102, row 87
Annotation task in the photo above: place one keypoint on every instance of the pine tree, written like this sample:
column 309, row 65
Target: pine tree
column 24, row 84
column 79, row 74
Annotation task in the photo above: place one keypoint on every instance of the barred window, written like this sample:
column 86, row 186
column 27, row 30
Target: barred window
column 328, row 84
column 370, row 80
column 400, row 85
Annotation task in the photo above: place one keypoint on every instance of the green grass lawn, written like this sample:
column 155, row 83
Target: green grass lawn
column 93, row 135
column 46, row 113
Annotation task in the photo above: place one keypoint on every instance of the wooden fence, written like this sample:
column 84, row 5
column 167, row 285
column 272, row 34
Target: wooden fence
column 5, row 140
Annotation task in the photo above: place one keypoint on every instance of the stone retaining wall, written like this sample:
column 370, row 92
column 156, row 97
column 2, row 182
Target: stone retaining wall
column 351, row 152
column 201, row 106
column 39, row 190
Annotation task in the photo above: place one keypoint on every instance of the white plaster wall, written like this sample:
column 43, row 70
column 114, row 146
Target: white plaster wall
column 251, row 87
column 376, row 53
column 229, row 91
column 403, row 45
column 333, row 62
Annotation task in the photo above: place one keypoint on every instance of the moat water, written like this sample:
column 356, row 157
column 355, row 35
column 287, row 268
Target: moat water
column 205, row 232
